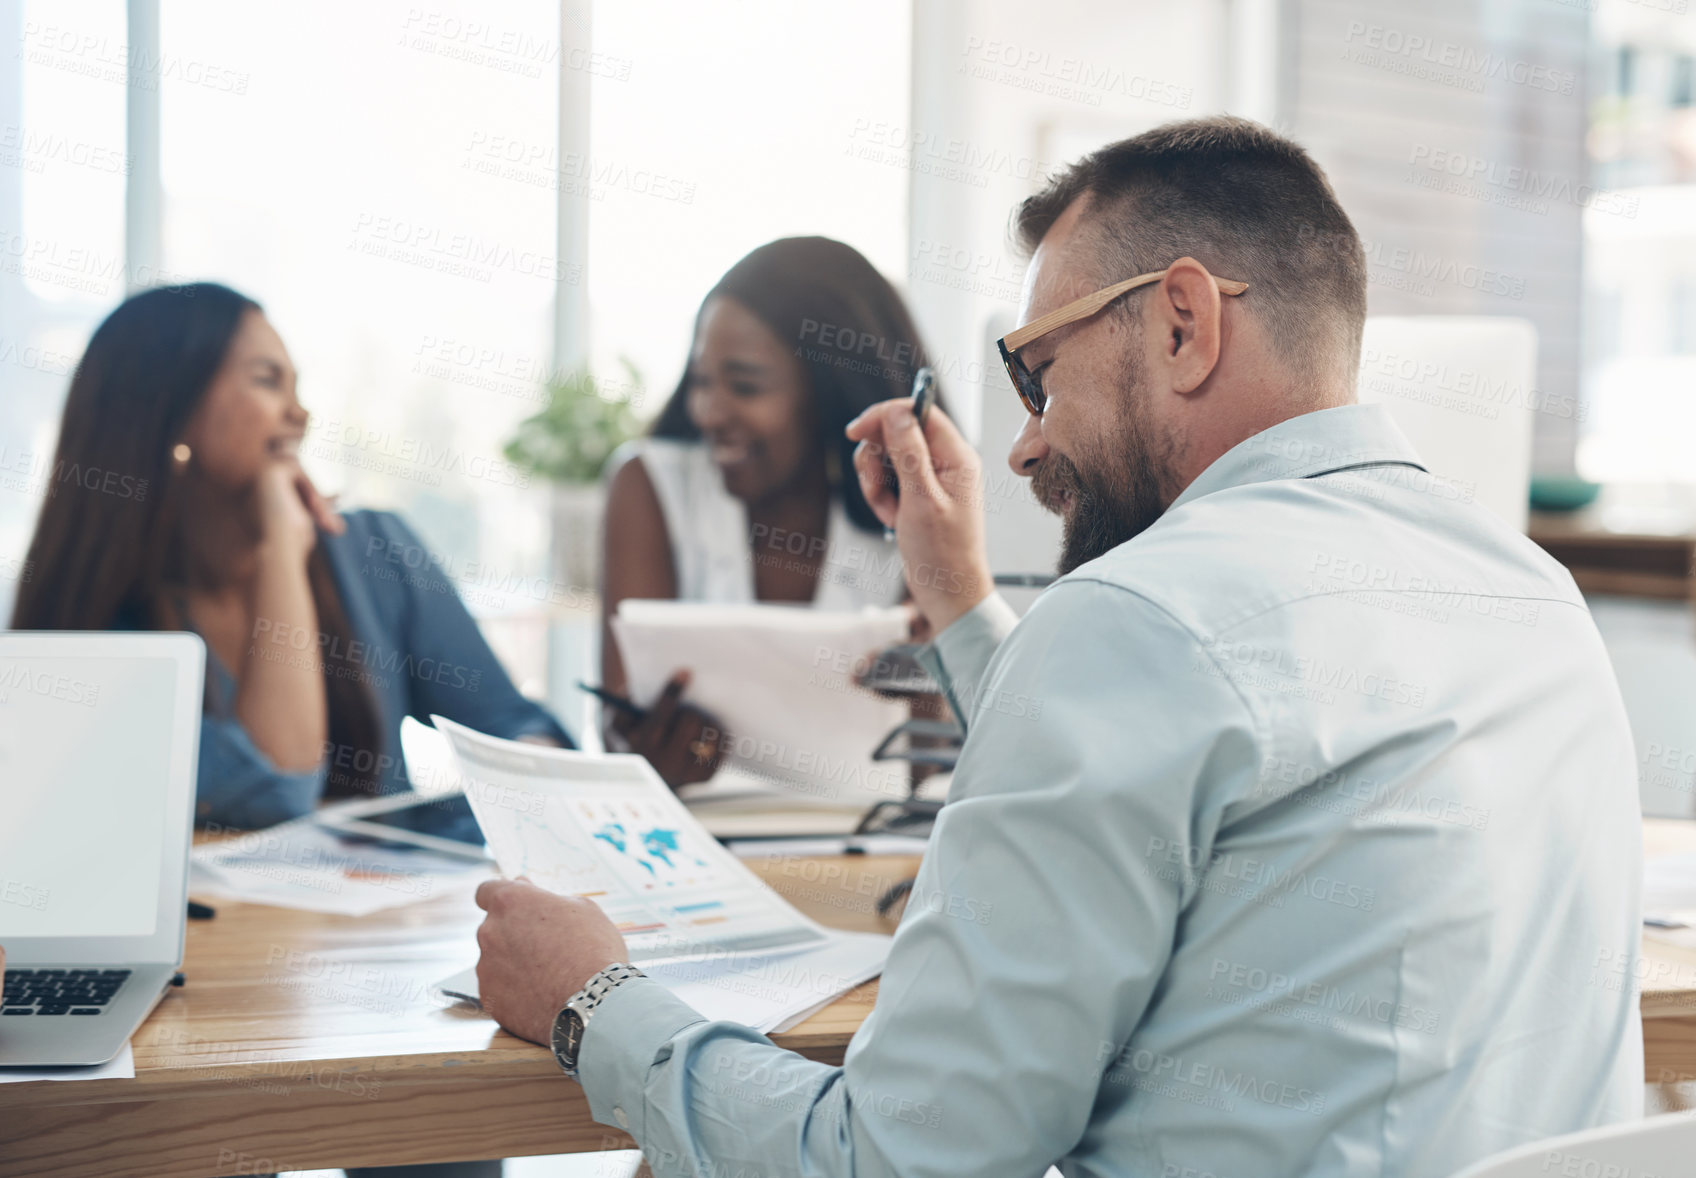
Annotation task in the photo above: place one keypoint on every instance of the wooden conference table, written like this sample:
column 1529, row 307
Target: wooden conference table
column 305, row 1041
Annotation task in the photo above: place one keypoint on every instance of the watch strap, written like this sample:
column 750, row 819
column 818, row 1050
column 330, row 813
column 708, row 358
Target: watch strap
column 596, row 989
column 566, row 1046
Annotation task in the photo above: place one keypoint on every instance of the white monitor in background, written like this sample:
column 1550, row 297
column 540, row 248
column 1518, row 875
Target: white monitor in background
column 1461, row 388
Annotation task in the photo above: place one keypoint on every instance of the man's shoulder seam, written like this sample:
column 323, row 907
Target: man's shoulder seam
column 1260, row 734
column 1294, row 595
column 1342, row 590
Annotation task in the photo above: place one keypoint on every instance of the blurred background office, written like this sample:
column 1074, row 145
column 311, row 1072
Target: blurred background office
column 484, row 229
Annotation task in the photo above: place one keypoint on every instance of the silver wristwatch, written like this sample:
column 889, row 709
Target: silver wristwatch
column 569, row 1023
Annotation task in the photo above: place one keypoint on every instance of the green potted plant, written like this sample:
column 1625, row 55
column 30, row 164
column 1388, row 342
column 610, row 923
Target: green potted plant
column 568, row 443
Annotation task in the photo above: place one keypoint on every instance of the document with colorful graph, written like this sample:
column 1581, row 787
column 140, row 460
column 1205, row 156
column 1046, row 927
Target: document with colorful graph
column 604, row 826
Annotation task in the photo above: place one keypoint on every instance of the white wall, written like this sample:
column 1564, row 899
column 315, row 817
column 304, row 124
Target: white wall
column 1453, row 132
column 1003, row 93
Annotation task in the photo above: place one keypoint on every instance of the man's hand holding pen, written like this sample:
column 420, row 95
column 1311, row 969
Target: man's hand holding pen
column 938, row 514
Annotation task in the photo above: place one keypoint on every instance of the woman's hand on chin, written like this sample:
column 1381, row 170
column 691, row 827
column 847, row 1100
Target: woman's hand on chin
column 291, row 510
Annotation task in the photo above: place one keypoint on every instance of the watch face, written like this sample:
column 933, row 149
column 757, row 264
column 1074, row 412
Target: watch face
column 567, row 1038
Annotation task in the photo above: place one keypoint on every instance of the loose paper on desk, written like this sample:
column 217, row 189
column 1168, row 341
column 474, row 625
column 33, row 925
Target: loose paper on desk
column 300, row 864
column 768, row 992
column 782, row 680
column 120, row 1067
column 1669, row 899
column 604, row 826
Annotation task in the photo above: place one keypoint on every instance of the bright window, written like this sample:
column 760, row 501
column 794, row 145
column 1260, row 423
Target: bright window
column 62, row 172
column 327, row 164
column 734, row 126
column 1640, row 250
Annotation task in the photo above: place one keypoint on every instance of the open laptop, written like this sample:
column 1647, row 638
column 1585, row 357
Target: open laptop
column 99, row 739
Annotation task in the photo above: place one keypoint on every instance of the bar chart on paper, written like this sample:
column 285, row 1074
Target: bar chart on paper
column 606, row 828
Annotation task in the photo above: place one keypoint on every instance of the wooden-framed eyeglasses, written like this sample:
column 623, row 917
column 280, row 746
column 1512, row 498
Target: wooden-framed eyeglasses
column 1029, row 384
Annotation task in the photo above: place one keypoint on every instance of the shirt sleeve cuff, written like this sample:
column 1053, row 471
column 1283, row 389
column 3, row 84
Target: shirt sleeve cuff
column 629, row 1032
column 960, row 654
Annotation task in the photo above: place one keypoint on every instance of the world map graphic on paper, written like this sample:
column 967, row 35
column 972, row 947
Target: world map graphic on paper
column 652, row 850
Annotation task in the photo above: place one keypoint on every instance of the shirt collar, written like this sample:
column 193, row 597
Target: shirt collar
column 1303, row 447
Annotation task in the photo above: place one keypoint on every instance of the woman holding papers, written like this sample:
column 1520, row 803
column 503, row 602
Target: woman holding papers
column 745, row 490
column 177, row 501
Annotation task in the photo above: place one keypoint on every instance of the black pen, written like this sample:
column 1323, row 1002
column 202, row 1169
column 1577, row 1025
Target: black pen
column 924, row 396
column 629, row 707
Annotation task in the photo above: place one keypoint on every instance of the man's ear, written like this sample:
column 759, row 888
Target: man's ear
column 1185, row 314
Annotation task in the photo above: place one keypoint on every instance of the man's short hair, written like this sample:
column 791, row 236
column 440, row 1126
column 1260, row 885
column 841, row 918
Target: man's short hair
column 1243, row 201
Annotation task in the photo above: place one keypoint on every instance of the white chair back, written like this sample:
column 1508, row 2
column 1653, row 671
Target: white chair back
column 1659, row 1147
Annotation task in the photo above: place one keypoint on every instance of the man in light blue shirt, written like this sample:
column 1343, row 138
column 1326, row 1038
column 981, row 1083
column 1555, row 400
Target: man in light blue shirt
column 1297, row 821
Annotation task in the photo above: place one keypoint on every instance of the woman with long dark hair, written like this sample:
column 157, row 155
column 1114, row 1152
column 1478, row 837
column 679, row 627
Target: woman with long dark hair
column 177, row 502
column 745, row 491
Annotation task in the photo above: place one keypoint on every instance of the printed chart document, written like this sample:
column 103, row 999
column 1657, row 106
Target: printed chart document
column 605, row 827
column 782, row 680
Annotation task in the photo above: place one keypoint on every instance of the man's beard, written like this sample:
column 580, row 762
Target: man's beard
column 1120, row 489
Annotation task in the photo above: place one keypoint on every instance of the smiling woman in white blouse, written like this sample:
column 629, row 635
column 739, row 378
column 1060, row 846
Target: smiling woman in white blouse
column 745, row 490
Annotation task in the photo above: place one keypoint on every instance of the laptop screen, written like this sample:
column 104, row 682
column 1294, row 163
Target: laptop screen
column 85, row 751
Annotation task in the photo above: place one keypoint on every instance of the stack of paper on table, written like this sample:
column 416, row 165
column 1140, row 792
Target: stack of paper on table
column 782, row 681
column 120, row 1067
column 302, row 865
column 769, row 993
column 819, row 846
column 1669, row 899
column 737, row 804
column 604, row 826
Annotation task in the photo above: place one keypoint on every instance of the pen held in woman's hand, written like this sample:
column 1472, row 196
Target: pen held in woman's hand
column 625, row 706
column 683, row 743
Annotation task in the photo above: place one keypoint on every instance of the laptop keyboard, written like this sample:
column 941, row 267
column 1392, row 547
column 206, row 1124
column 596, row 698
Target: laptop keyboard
column 60, row 991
